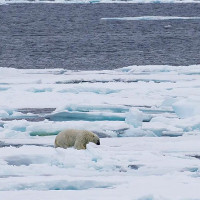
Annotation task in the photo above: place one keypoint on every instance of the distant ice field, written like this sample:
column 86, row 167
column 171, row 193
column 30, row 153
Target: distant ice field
column 151, row 18
column 147, row 118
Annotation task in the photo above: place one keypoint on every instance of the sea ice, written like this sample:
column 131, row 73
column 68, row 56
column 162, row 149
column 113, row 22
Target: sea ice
column 187, row 108
column 161, row 162
column 158, row 93
column 153, row 18
column 134, row 117
column 147, row 118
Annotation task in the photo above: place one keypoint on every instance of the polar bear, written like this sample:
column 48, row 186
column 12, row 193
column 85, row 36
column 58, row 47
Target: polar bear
column 75, row 138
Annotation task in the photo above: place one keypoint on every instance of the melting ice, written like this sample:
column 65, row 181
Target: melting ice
column 138, row 111
column 134, row 101
column 150, row 18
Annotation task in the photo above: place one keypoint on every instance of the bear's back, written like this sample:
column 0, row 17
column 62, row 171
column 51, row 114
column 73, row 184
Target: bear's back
column 66, row 138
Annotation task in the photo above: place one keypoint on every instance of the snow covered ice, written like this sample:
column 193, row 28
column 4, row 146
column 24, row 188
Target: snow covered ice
column 150, row 18
column 148, row 118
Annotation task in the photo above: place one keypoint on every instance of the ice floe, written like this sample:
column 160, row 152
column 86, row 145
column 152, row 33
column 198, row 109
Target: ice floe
column 150, row 18
column 152, row 100
column 148, row 118
column 117, row 166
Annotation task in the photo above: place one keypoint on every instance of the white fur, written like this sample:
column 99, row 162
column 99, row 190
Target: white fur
column 75, row 138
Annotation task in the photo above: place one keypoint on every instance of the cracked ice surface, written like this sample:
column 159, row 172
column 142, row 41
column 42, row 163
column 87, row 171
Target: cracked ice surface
column 131, row 101
column 133, row 109
column 128, row 168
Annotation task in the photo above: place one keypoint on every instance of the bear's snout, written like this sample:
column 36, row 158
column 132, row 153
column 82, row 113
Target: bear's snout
column 98, row 142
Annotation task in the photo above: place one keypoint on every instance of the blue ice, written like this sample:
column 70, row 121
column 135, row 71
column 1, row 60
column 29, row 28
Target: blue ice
column 38, row 90
column 78, row 116
column 3, row 88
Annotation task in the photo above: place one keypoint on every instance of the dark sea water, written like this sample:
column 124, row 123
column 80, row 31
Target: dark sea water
column 73, row 36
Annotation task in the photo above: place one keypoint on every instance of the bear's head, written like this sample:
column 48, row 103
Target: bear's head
column 91, row 137
column 96, row 139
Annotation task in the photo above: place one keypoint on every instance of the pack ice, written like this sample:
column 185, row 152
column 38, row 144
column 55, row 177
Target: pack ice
column 148, row 118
